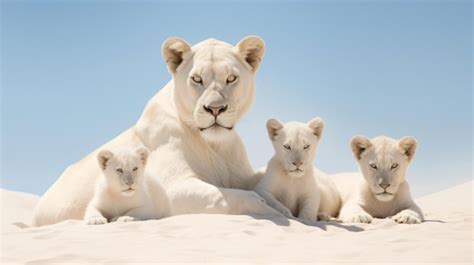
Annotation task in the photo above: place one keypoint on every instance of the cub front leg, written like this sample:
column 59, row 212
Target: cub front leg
column 309, row 207
column 93, row 216
column 352, row 212
column 412, row 215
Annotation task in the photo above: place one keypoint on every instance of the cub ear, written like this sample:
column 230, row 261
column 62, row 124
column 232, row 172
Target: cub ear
column 408, row 146
column 252, row 49
column 272, row 127
column 359, row 144
column 143, row 153
column 317, row 126
column 104, row 157
column 174, row 51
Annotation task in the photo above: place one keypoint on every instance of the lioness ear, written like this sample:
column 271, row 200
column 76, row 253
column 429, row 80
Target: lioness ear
column 104, row 157
column 143, row 154
column 317, row 126
column 359, row 144
column 408, row 146
column 272, row 127
column 174, row 51
column 252, row 49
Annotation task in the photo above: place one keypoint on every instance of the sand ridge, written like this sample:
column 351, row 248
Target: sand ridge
column 446, row 237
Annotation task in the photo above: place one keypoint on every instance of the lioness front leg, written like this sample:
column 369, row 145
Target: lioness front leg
column 352, row 212
column 275, row 204
column 193, row 195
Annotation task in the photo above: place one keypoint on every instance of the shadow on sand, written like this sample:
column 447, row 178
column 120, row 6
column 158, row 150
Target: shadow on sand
column 283, row 221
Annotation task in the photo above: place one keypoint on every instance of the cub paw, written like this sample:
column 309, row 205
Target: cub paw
column 323, row 217
column 126, row 219
column 406, row 217
column 307, row 221
column 96, row 221
column 361, row 217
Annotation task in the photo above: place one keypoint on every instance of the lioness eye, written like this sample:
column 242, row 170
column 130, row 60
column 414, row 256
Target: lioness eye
column 372, row 165
column 196, row 79
column 306, row 146
column 231, row 79
column 135, row 168
column 394, row 166
column 287, row 147
column 119, row 170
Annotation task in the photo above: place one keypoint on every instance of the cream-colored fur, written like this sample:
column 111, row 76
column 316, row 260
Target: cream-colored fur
column 382, row 190
column 188, row 127
column 123, row 193
column 289, row 182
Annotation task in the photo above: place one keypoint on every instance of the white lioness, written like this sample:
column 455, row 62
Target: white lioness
column 383, row 190
column 123, row 193
column 189, row 128
column 289, row 183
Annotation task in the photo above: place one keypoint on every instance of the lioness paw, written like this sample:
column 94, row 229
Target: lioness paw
column 406, row 217
column 96, row 220
column 126, row 219
column 255, row 196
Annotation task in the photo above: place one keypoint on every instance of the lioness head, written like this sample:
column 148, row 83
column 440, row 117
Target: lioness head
column 383, row 162
column 123, row 170
column 214, row 82
column 295, row 143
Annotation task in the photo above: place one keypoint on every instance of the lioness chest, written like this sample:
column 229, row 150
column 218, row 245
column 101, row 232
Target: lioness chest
column 211, row 168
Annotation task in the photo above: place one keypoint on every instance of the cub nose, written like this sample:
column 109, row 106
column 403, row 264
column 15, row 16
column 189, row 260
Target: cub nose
column 129, row 182
column 297, row 164
column 384, row 186
column 215, row 110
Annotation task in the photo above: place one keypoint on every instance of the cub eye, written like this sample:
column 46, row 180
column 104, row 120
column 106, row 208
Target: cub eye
column 231, row 79
column 196, row 79
column 372, row 165
column 135, row 168
column 119, row 170
column 287, row 147
column 306, row 146
column 394, row 166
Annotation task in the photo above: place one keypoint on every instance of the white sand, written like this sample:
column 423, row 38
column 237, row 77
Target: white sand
column 446, row 238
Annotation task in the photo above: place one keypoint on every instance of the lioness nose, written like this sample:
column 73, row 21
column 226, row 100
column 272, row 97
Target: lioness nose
column 215, row 110
column 384, row 186
column 298, row 163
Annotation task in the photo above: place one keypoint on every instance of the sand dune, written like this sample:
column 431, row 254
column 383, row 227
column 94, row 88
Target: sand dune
column 446, row 238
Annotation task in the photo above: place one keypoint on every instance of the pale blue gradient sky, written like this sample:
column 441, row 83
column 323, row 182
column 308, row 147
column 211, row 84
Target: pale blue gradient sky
column 75, row 75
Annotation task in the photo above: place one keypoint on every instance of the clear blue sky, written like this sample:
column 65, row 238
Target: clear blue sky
column 74, row 75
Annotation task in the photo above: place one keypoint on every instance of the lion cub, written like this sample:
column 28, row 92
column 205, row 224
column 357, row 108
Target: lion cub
column 288, row 184
column 381, row 189
column 123, row 193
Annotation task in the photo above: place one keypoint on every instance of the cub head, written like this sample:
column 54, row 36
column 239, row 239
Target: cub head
column 295, row 143
column 214, row 82
column 383, row 162
column 123, row 170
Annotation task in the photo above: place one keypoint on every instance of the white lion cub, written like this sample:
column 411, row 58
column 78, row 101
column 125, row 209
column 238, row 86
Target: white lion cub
column 382, row 190
column 123, row 193
column 288, row 183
